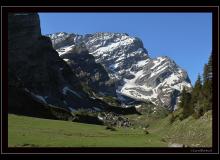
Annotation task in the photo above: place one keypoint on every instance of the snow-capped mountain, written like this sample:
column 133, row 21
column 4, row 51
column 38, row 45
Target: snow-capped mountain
column 138, row 76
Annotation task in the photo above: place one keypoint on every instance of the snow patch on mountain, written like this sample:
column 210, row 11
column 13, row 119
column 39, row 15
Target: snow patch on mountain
column 66, row 89
column 138, row 76
column 64, row 50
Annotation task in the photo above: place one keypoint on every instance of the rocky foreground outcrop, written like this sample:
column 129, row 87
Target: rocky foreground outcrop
column 112, row 119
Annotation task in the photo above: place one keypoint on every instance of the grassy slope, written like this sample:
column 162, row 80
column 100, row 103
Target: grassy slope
column 190, row 131
column 28, row 131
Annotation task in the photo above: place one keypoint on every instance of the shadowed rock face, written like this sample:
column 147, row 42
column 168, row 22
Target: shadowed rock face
column 36, row 68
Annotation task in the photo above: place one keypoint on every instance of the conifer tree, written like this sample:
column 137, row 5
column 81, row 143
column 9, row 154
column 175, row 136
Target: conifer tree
column 187, row 108
column 202, row 94
column 205, row 73
column 207, row 85
column 196, row 92
column 197, row 88
column 210, row 67
column 182, row 98
column 185, row 104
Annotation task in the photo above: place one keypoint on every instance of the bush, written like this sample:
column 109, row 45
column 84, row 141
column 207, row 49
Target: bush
column 147, row 126
column 172, row 118
column 111, row 128
column 84, row 112
column 199, row 110
column 182, row 116
column 198, row 113
column 111, row 100
column 163, row 140
column 146, row 132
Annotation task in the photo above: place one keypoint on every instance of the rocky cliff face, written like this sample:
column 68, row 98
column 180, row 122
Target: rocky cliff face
column 126, row 60
column 92, row 75
column 35, row 68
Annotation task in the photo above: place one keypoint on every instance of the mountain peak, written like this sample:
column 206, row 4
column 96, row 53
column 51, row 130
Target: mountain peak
column 159, row 80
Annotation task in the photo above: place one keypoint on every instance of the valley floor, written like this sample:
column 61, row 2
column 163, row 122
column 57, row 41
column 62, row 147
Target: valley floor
column 35, row 132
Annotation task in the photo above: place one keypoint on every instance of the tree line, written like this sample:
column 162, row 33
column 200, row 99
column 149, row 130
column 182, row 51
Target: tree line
column 199, row 100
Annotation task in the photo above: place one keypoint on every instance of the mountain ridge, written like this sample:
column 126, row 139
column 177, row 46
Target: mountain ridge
column 125, row 59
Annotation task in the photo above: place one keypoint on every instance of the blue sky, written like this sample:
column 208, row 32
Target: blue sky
column 184, row 37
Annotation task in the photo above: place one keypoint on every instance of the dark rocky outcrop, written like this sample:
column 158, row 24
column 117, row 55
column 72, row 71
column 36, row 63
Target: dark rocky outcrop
column 36, row 68
column 113, row 119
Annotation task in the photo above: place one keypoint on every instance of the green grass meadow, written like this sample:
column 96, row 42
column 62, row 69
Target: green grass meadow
column 36, row 132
